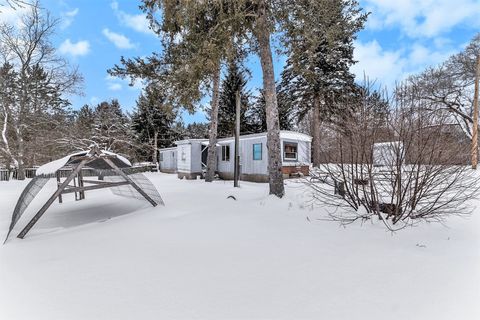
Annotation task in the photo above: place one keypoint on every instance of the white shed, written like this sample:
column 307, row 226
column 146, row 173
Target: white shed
column 168, row 159
column 387, row 153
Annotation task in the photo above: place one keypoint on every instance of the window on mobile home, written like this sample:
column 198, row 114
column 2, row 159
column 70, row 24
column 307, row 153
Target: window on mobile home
column 161, row 156
column 257, row 151
column 226, row 153
column 290, row 151
column 184, row 155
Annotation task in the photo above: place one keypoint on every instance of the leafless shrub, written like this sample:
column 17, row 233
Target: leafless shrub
column 401, row 164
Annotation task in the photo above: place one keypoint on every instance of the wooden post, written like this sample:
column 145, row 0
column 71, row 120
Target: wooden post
column 80, row 184
column 134, row 185
column 58, row 185
column 236, row 167
column 475, row 118
column 49, row 202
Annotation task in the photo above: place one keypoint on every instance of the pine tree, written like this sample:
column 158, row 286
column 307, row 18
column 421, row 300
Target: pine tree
column 320, row 53
column 111, row 129
column 153, row 120
column 233, row 82
column 259, row 118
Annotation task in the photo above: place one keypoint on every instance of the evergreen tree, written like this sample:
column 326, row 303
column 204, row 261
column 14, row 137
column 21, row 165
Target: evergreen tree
column 233, row 82
column 153, row 120
column 111, row 129
column 320, row 53
column 258, row 116
column 196, row 131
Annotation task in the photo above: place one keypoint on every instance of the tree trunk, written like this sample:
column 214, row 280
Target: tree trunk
column 262, row 34
column 315, row 124
column 155, row 148
column 212, row 154
column 474, row 150
column 20, row 156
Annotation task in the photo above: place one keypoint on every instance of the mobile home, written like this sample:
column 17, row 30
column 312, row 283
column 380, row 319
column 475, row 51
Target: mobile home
column 295, row 155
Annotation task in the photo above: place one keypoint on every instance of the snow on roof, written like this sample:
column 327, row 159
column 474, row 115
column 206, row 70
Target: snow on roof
column 54, row 166
column 167, row 149
column 284, row 134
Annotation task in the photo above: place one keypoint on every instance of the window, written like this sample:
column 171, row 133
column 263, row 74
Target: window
column 289, row 151
column 161, row 156
column 226, row 153
column 257, row 151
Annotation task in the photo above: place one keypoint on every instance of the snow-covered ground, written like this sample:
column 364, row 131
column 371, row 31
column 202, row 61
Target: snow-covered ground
column 204, row 256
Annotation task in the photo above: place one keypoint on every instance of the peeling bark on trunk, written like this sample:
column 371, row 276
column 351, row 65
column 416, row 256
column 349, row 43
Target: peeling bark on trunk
column 316, row 132
column 212, row 154
column 262, row 34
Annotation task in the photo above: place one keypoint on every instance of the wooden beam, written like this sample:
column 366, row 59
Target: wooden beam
column 49, row 202
column 95, row 187
column 95, row 181
column 126, row 177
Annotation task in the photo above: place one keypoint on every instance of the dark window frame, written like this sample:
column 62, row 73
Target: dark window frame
column 225, row 154
column 285, row 143
column 261, row 151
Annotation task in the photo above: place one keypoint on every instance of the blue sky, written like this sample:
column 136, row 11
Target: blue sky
column 401, row 37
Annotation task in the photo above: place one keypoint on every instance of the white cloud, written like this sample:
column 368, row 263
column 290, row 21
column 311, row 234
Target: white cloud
column 116, row 83
column 137, row 22
column 119, row 40
column 79, row 48
column 384, row 67
column 115, row 86
column 388, row 67
column 68, row 17
column 12, row 16
column 422, row 18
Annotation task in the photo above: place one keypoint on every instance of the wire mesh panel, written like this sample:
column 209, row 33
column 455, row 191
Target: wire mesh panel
column 28, row 194
column 129, row 192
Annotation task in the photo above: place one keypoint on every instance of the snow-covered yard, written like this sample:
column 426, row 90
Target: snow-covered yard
column 204, row 256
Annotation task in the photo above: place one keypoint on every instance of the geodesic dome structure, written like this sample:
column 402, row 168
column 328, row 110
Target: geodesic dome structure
column 112, row 170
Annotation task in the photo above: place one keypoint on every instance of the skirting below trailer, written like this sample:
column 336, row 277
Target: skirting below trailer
column 168, row 170
column 189, row 175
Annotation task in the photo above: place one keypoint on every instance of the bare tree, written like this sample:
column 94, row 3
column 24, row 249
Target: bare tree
column 449, row 87
column 39, row 76
column 401, row 167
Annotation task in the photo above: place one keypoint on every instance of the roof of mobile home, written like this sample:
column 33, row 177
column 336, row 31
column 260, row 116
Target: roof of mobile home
column 284, row 134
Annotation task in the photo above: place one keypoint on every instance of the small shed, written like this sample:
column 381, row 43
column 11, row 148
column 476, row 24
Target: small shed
column 112, row 171
column 168, row 160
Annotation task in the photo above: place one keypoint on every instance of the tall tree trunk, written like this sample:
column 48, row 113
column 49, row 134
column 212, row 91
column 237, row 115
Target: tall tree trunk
column 20, row 157
column 474, row 150
column 315, row 124
column 212, row 143
column 155, row 151
column 262, row 34
column 155, row 148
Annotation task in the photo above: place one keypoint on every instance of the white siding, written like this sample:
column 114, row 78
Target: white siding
column 168, row 159
column 248, row 165
column 184, row 158
column 303, row 153
column 196, row 156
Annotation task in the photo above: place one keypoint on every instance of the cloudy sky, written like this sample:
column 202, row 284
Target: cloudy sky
column 401, row 37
